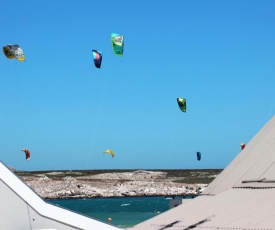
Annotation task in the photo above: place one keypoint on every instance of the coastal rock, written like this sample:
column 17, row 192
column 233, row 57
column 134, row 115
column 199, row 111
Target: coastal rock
column 136, row 183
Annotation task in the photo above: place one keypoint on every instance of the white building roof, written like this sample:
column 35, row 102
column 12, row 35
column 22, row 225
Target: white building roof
column 22, row 208
column 241, row 197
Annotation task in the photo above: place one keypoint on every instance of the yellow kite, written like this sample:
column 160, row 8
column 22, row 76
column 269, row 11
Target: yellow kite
column 110, row 152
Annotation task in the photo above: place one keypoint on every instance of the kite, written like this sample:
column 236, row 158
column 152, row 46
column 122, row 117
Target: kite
column 117, row 43
column 182, row 104
column 27, row 153
column 97, row 55
column 198, row 156
column 14, row 51
column 110, row 152
column 242, row 146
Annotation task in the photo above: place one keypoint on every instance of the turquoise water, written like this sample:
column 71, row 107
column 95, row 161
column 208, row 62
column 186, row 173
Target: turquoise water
column 124, row 211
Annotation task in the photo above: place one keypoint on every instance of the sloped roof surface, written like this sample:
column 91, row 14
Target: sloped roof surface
column 241, row 197
column 254, row 164
column 250, row 209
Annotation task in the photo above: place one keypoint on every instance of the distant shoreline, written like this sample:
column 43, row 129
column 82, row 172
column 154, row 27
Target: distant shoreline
column 110, row 197
column 80, row 184
column 184, row 175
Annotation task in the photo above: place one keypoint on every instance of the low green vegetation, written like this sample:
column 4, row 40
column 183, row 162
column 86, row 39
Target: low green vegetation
column 191, row 176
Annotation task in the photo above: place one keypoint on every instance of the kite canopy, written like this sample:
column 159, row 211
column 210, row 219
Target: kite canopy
column 27, row 153
column 14, row 51
column 110, row 152
column 182, row 104
column 198, row 156
column 97, row 55
column 242, row 146
column 117, row 43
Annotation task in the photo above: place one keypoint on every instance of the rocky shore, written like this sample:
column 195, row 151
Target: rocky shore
column 58, row 185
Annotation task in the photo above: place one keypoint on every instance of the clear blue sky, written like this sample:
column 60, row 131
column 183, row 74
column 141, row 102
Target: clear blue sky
column 219, row 55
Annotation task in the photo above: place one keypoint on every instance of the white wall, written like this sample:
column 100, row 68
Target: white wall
column 22, row 209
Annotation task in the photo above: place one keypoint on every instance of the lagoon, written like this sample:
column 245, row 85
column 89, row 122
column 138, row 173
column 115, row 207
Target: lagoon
column 124, row 211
